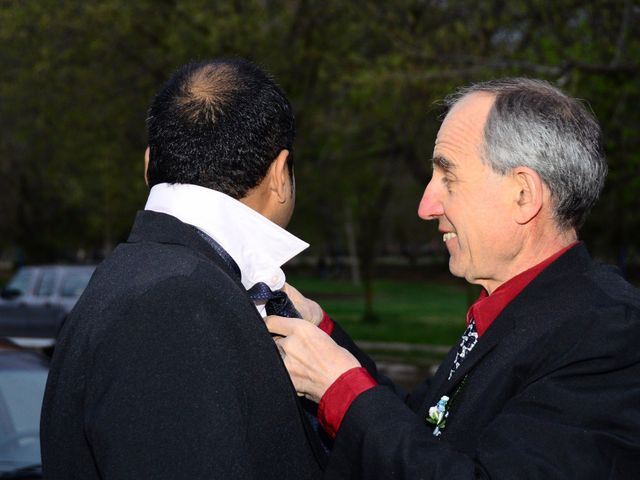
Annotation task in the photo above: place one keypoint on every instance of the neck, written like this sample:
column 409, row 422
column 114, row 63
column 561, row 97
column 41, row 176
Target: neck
column 534, row 249
column 255, row 200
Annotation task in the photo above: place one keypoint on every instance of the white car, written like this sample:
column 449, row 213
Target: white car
column 23, row 375
column 35, row 302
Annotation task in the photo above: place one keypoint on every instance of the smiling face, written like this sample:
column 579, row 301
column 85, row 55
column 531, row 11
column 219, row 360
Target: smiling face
column 474, row 206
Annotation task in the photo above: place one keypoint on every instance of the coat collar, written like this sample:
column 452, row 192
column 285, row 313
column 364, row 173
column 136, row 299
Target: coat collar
column 257, row 245
column 162, row 228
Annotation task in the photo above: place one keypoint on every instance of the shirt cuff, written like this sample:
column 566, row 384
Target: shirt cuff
column 340, row 395
column 326, row 324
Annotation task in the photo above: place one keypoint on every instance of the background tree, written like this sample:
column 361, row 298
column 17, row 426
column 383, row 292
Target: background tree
column 364, row 77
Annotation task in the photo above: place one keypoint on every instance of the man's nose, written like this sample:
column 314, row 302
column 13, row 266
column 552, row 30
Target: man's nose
column 430, row 206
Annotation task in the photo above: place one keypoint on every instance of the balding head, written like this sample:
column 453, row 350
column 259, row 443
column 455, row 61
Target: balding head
column 218, row 124
column 207, row 91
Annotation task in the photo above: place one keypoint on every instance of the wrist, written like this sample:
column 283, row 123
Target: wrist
column 341, row 365
column 340, row 395
column 326, row 324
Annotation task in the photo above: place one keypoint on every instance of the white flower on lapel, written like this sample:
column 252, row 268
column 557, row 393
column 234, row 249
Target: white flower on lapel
column 438, row 415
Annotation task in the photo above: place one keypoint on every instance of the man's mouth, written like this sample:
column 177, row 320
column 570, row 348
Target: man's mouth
column 448, row 236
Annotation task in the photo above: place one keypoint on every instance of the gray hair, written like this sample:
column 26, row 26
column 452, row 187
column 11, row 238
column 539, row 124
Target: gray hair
column 535, row 125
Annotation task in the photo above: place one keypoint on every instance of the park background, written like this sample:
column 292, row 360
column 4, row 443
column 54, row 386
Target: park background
column 365, row 79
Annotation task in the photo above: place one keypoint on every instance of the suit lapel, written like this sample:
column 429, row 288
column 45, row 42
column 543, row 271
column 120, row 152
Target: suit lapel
column 494, row 334
column 438, row 383
column 441, row 385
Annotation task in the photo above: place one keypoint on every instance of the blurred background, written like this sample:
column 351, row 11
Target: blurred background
column 365, row 79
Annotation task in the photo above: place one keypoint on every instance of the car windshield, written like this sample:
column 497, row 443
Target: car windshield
column 21, row 392
column 74, row 283
column 20, row 281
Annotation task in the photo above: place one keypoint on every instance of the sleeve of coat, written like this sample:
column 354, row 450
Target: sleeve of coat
column 343, row 339
column 167, row 399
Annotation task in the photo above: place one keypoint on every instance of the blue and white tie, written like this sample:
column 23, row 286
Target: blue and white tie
column 467, row 342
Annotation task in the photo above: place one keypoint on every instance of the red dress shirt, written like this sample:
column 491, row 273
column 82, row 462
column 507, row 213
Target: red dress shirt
column 339, row 396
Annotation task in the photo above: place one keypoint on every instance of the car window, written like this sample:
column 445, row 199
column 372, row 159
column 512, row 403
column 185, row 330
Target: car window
column 21, row 280
column 74, row 283
column 46, row 284
column 21, row 393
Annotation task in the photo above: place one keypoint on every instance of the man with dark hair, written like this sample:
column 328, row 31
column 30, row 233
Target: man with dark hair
column 545, row 382
column 218, row 125
column 165, row 369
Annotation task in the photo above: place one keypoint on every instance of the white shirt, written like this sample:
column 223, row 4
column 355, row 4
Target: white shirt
column 256, row 244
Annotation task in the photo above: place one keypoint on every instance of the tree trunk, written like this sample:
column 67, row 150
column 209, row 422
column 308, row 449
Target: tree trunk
column 354, row 262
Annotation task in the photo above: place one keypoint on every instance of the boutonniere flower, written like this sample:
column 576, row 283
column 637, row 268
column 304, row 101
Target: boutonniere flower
column 438, row 415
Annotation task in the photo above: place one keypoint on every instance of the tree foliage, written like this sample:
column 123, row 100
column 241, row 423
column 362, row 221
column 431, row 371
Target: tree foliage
column 364, row 77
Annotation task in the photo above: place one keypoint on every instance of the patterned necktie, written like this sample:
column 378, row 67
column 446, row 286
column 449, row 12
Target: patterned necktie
column 278, row 303
column 468, row 341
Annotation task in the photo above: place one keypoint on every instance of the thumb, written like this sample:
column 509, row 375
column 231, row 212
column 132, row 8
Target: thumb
column 292, row 293
column 280, row 325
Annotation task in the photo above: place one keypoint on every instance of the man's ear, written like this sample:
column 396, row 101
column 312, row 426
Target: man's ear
column 529, row 194
column 147, row 152
column 279, row 178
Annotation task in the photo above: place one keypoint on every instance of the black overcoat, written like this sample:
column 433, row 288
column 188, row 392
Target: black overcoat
column 551, row 391
column 165, row 370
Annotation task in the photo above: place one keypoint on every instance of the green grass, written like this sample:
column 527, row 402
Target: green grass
column 415, row 312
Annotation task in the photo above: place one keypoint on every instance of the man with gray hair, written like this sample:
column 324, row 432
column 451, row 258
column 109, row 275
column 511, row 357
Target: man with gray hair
column 545, row 382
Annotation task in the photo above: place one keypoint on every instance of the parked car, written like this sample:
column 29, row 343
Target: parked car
column 37, row 299
column 23, row 376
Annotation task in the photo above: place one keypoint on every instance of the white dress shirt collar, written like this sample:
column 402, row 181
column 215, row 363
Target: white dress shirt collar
column 256, row 244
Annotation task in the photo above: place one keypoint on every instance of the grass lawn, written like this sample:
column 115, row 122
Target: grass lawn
column 414, row 312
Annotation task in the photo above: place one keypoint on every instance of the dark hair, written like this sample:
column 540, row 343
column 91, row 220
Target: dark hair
column 218, row 124
column 534, row 124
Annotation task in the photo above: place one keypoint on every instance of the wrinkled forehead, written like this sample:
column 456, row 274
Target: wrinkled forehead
column 462, row 131
column 472, row 109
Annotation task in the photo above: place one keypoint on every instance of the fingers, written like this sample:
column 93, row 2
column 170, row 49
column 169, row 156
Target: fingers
column 280, row 349
column 292, row 366
column 294, row 349
column 290, row 290
column 310, row 310
column 281, row 325
column 314, row 361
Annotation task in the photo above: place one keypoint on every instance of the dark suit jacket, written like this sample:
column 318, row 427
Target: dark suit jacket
column 165, row 370
column 552, row 391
